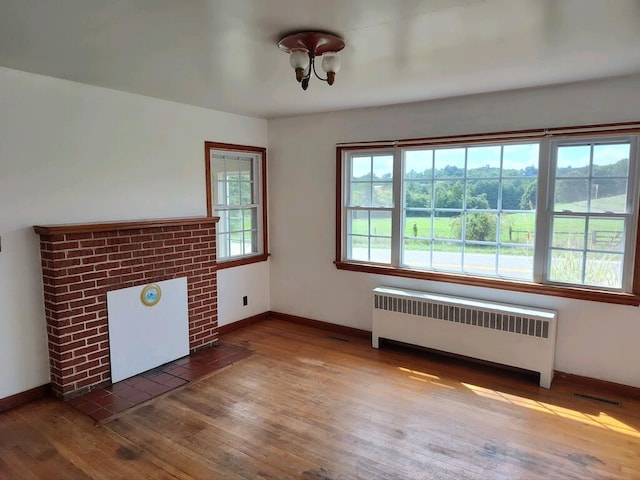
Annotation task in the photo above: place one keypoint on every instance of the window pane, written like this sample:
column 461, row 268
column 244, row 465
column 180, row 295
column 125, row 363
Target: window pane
column 518, row 228
column 521, row 159
column 418, row 164
column 380, row 250
column 447, row 256
column 479, row 226
column 249, row 217
column 223, row 246
column 382, row 194
column 566, row 266
column 483, row 161
column 223, row 223
column 516, row 262
column 220, row 193
column 568, row 232
column 480, row 260
column 249, row 242
column 417, row 194
column 611, row 160
column 361, row 168
column 236, row 243
column 604, row 270
column 606, row 234
column 513, row 193
column 571, row 195
column 383, row 167
column 573, row 161
column 609, row 195
column 417, row 224
column 360, row 194
column 381, row 223
column 482, row 194
column 358, row 222
column 449, row 162
column 235, row 220
column 449, row 194
column 417, row 253
column 246, row 193
column 369, row 237
column 447, row 227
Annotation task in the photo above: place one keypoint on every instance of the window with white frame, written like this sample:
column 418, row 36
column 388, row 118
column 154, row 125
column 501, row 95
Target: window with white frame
column 236, row 194
column 539, row 209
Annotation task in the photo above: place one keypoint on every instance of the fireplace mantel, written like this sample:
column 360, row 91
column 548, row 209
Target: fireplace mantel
column 82, row 262
column 126, row 225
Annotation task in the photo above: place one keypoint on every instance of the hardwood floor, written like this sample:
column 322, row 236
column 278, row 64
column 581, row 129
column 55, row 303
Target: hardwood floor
column 314, row 405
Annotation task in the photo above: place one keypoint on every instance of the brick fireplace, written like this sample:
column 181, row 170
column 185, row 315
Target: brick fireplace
column 81, row 262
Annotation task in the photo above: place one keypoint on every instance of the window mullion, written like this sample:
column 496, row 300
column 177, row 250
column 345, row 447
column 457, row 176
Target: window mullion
column 631, row 226
column 544, row 216
column 397, row 226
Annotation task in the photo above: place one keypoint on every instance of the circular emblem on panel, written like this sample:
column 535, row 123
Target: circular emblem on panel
column 150, row 295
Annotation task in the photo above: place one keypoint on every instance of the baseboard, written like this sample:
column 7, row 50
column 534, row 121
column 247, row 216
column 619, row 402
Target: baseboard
column 331, row 327
column 23, row 398
column 243, row 323
column 597, row 386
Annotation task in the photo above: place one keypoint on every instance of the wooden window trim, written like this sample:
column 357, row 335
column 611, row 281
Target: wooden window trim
column 488, row 282
column 208, row 146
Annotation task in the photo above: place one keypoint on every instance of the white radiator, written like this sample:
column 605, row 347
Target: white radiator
column 512, row 335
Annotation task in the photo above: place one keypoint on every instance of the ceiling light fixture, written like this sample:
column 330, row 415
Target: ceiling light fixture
column 304, row 47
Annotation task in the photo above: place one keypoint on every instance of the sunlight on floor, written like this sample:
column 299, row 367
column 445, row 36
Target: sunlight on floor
column 601, row 420
column 424, row 377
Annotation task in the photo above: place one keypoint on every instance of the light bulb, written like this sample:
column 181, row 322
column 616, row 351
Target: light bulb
column 331, row 62
column 299, row 59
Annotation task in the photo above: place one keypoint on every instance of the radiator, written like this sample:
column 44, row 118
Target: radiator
column 513, row 335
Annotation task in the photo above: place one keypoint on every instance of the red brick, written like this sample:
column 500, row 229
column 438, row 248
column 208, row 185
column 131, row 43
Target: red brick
column 63, row 264
column 130, row 247
column 66, row 245
column 94, row 259
column 117, row 240
column 119, row 256
column 100, row 307
column 99, row 369
column 78, row 236
column 85, row 333
column 92, row 243
column 80, row 253
column 80, row 270
column 152, row 244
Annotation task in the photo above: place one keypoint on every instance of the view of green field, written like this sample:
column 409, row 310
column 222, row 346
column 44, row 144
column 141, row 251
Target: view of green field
column 516, row 228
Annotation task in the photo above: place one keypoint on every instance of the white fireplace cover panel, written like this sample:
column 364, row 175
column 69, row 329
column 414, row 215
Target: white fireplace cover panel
column 147, row 328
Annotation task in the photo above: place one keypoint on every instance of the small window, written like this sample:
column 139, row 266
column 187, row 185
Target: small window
column 236, row 193
column 592, row 214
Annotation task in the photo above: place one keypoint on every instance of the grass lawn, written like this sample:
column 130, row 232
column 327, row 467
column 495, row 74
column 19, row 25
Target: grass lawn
column 518, row 228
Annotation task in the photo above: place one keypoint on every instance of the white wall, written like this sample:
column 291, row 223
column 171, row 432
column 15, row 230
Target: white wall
column 74, row 153
column 595, row 340
column 251, row 281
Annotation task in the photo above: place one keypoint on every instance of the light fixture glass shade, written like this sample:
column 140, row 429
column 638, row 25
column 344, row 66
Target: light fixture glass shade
column 299, row 59
column 331, row 62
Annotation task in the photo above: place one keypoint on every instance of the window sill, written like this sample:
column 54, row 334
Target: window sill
column 237, row 262
column 500, row 284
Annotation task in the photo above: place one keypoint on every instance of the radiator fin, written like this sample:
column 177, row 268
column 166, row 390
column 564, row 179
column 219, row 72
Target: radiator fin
column 493, row 320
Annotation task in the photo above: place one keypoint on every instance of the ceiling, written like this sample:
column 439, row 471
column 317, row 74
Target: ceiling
column 222, row 54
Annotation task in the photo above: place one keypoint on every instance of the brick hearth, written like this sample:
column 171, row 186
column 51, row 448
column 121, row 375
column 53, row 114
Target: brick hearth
column 80, row 263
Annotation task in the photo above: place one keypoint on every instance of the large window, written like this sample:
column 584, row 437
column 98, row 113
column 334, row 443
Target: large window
column 526, row 211
column 236, row 193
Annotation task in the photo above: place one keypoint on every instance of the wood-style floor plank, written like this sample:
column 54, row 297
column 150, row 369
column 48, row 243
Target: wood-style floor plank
column 312, row 405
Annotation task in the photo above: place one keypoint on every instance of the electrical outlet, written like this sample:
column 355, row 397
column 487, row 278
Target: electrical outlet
column 245, row 301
